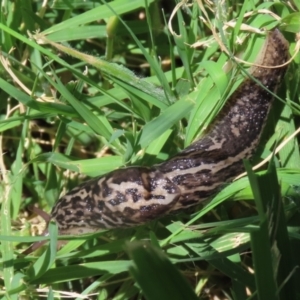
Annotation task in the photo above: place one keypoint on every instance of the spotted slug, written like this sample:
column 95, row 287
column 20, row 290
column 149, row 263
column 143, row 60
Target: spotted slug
column 134, row 195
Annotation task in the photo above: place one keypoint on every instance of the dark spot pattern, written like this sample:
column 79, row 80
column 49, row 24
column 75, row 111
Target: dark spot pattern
column 120, row 198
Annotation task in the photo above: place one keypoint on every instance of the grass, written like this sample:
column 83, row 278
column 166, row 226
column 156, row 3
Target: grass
column 88, row 87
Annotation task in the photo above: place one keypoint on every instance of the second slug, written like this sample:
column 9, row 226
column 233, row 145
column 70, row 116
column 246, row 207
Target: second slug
column 135, row 195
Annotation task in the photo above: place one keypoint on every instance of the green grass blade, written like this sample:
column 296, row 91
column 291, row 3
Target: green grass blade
column 46, row 260
column 166, row 120
column 156, row 275
column 90, row 167
column 100, row 12
column 273, row 261
column 84, row 270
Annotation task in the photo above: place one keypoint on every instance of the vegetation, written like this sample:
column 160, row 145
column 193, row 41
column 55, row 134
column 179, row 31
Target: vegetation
column 91, row 86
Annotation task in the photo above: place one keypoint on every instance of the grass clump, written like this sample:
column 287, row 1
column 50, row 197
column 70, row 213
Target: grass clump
column 91, row 86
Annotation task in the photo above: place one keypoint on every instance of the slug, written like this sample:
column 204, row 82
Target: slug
column 134, row 195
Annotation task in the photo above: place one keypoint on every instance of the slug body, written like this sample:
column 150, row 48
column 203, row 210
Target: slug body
column 135, row 195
